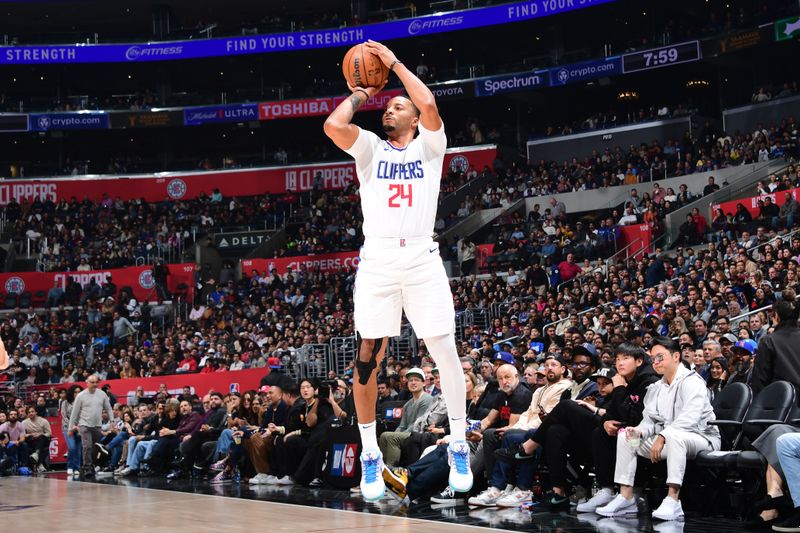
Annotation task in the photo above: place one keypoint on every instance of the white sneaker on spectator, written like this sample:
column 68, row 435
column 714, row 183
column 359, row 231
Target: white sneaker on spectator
column 670, row 509
column 35, row 457
column 69, row 471
column 372, row 486
column 285, row 480
column 271, row 480
column 602, row 498
column 127, row 472
column 514, row 498
column 460, row 472
column 487, row 498
column 619, row 506
column 259, row 479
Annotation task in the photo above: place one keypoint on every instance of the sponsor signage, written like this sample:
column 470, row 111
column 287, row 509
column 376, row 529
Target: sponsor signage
column 311, row 107
column 146, row 119
column 240, row 240
column 751, row 203
column 189, row 185
column 322, row 262
column 139, row 279
column 786, row 29
column 302, row 40
column 344, row 460
column 68, row 121
column 521, row 81
column 587, row 70
column 194, row 116
column 447, row 91
column 739, row 41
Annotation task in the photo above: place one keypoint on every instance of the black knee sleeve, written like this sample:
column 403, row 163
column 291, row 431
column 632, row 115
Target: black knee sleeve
column 364, row 369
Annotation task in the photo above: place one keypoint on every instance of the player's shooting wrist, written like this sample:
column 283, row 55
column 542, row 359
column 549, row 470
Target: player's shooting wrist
column 395, row 63
column 366, row 94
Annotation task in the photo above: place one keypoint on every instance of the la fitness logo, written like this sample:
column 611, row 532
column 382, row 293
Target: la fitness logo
column 176, row 188
column 146, row 279
column 133, row 53
column 459, row 164
column 15, row 284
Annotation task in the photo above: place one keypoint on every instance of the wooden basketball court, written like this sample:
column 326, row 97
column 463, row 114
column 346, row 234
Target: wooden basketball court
column 50, row 504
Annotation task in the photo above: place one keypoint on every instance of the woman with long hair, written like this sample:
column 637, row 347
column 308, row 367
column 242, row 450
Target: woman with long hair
column 73, row 439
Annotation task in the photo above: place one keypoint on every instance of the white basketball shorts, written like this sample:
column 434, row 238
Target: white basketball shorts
column 396, row 275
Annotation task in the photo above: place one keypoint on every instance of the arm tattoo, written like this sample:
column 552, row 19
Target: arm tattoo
column 355, row 101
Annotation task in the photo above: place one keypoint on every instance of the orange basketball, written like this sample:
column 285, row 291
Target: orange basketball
column 363, row 69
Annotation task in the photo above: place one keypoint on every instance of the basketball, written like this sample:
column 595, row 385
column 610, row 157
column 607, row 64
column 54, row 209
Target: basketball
column 363, row 69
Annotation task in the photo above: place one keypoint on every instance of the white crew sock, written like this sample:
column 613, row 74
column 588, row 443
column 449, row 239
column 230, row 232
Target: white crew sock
column 444, row 353
column 369, row 441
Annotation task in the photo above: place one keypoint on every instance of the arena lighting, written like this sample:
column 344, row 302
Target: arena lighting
column 697, row 83
column 627, row 96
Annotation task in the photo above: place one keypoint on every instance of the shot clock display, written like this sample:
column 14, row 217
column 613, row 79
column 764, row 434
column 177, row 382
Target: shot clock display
column 661, row 57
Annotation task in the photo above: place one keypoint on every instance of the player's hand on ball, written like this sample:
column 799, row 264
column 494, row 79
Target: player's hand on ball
column 371, row 91
column 382, row 51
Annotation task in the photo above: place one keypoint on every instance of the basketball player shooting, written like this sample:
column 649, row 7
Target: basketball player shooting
column 400, row 267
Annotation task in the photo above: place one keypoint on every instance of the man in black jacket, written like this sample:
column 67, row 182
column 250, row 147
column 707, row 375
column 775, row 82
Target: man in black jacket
column 214, row 421
column 777, row 351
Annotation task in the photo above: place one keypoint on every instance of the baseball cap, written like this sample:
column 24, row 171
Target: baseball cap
column 581, row 350
column 607, row 373
column 555, row 357
column 274, row 362
column 504, row 357
column 415, row 372
column 265, row 388
column 748, row 345
column 730, row 337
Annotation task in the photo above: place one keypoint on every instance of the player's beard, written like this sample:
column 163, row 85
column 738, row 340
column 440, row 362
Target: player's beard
column 388, row 127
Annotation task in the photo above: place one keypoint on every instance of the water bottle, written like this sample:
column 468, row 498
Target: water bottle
column 237, row 476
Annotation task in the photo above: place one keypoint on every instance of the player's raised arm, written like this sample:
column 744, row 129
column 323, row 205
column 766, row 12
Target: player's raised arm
column 417, row 91
column 338, row 124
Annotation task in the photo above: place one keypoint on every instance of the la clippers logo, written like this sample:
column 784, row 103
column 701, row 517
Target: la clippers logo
column 44, row 122
column 15, row 284
column 459, row 164
column 54, row 448
column 176, row 188
column 146, row 279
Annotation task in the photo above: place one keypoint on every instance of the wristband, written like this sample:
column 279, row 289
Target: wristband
column 366, row 94
column 395, row 62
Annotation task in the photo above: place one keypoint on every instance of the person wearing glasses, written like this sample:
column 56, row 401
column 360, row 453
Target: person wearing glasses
column 676, row 427
column 86, row 419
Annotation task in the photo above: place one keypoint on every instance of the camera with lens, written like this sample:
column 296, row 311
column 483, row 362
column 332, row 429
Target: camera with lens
column 325, row 388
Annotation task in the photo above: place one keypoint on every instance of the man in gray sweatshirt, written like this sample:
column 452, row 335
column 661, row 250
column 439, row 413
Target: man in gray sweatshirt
column 86, row 419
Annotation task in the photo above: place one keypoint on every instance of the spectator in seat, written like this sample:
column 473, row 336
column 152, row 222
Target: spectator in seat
column 419, row 404
column 15, row 431
column 787, row 213
column 212, row 423
column 55, row 295
column 38, row 435
column 260, row 444
column 543, row 401
column 568, row 269
column 742, row 361
column 675, row 427
column 711, row 187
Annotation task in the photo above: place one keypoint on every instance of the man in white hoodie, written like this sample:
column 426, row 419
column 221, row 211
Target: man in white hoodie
column 675, row 427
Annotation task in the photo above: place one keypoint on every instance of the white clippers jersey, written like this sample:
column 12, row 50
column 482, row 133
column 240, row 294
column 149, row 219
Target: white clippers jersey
column 399, row 188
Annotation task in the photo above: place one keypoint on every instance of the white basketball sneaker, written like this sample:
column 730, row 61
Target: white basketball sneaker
column 460, row 472
column 372, row 486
